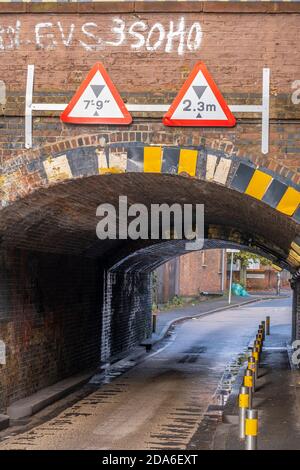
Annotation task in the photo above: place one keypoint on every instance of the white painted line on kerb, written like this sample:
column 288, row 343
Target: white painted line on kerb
column 263, row 108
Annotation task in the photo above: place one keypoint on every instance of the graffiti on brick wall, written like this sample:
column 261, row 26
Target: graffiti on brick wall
column 176, row 36
column 296, row 92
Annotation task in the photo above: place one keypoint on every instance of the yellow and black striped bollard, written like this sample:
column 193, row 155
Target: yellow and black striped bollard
column 251, row 429
column 252, row 367
column 248, row 382
column 243, row 405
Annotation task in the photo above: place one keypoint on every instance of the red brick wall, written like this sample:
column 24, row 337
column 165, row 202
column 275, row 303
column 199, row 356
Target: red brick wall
column 268, row 282
column 50, row 320
column 234, row 58
column 44, row 346
column 200, row 271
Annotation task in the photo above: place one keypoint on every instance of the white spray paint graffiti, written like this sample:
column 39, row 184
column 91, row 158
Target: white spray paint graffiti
column 2, row 94
column 296, row 93
column 2, row 353
column 175, row 36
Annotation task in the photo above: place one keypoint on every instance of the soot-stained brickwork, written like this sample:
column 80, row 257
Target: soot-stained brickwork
column 50, row 316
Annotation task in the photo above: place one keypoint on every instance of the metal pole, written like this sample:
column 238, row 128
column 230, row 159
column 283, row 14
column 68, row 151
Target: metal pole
column 251, row 429
column 28, row 106
column 265, row 111
column 223, row 271
column 252, row 367
column 267, row 325
column 278, row 283
column 256, row 357
column 264, row 329
column 243, row 405
column 248, row 382
column 154, row 318
column 230, row 279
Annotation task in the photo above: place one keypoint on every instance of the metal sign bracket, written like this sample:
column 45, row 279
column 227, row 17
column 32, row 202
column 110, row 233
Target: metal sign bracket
column 263, row 108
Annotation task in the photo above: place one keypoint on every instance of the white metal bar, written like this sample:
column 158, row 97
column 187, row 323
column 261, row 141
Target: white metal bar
column 238, row 108
column 266, row 111
column 48, row 106
column 28, row 107
column 130, row 107
column 148, row 107
column 263, row 108
column 246, row 108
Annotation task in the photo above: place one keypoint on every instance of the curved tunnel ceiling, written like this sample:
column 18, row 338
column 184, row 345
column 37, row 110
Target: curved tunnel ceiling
column 62, row 218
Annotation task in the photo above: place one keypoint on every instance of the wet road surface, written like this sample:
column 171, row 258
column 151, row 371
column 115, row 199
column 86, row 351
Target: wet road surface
column 159, row 403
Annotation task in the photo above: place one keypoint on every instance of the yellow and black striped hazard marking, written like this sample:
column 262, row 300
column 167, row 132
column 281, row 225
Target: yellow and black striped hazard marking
column 172, row 160
column 263, row 186
column 246, row 178
column 294, row 254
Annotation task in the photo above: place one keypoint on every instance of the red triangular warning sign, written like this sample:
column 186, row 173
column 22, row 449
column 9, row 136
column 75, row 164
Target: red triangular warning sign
column 96, row 101
column 199, row 103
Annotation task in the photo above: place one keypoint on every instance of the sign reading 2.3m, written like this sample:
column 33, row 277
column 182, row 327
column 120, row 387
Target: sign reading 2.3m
column 101, row 33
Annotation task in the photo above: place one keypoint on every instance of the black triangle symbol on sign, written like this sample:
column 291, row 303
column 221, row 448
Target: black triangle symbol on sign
column 198, row 116
column 97, row 89
column 199, row 90
column 96, row 114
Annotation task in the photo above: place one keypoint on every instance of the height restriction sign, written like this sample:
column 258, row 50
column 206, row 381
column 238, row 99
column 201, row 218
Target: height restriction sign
column 199, row 103
column 96, row 101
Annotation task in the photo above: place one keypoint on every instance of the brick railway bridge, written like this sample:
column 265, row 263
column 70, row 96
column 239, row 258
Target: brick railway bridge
column 67, row 299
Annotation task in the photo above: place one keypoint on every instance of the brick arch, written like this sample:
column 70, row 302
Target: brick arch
column 116, row 152
column 57, row 290
column 36, row 168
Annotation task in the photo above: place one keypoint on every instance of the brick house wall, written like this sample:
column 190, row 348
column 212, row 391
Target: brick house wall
column 263, row 279
column 190, row 274
column 200, row 272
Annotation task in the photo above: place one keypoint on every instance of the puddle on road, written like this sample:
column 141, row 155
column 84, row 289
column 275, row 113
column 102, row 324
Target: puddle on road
column 228, row 378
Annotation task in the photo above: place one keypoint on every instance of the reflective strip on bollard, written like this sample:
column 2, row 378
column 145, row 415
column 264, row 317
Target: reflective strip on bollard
column 243, row 400
column 252, row 368
column 251, row 428
column 248, row 381
column 257, row 344
column 256, row 355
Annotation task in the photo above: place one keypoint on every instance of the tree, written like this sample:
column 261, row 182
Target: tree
column 245, row 258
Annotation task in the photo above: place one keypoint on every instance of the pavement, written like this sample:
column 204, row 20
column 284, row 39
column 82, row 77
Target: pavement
column 164, row 318
column 167, row 319
column 164, row 401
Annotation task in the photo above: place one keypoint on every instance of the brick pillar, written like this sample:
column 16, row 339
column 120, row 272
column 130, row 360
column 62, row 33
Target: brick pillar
column 296, row 309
